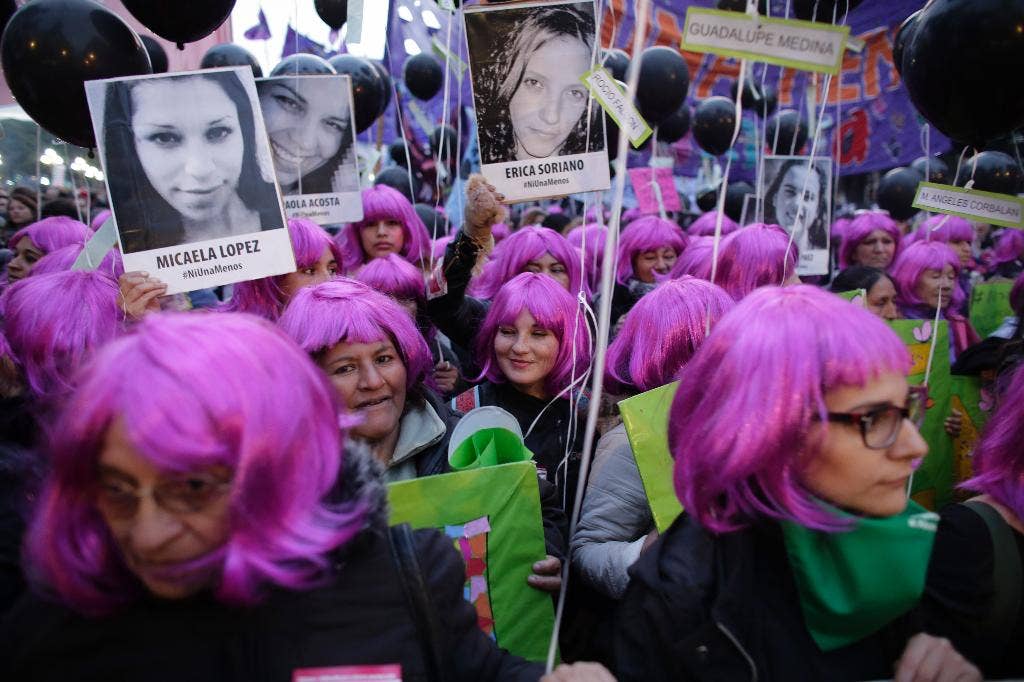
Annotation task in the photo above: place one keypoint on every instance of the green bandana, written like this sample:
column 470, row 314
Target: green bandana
column 851, row 583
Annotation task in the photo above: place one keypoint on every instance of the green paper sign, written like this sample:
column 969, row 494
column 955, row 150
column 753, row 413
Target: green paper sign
column 972, row 204
column 492, row 514
column 857, row 296
column 990, row 303
column 617, row 105
column 646, row 420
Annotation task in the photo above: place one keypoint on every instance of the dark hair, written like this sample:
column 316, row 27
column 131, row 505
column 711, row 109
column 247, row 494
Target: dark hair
column 817, row 231
column 857, row 277
column 498, row 76
column 144, row 220
column 64, row 207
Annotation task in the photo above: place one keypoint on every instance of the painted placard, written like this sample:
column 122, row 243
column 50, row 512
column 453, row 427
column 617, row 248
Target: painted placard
column 651, row 183
column 312, row 133
column 615, row 102
column 804, row 45
column 989, row 207
column 190, row 178
column 540, row 132
column 797, row 198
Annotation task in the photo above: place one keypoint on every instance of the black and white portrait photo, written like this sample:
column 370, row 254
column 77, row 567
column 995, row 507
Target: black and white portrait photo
column 540, row 131
column 187, row 164
column 797, row 196
column 312, row 140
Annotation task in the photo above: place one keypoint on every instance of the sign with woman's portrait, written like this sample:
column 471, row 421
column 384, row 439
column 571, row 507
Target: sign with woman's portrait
column 312, row 140
column 189, row 177
column 798, row 197
column 540, row 131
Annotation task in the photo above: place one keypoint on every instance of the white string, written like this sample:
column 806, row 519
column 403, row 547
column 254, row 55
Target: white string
column 935, row 339
column 39, row 172
column 74, row 186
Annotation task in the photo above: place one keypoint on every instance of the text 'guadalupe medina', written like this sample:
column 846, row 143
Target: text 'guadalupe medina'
column 762, row 37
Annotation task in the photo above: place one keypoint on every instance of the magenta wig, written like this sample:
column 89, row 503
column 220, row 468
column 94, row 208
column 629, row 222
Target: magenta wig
column 264, row 296
column 945, row 229
column 998, row 458
column 649, row 233
column 50, row 234
column 54, row 322
column 704, row 226
column 590, row 241
column 1009, row 247
column 439, row 246
column 753, row 257
column 528, row 244
column 662, row 332
column 384, row 203
column 62, row 259
column 860, row 228
column 912, row 263
column 500, row 232
column 344, row 310
column 1017, row 296
column 629, row 215
column 99, row 219
column 696, row 259
column 740, row 423
column 554, row 309
column 396, row 277
column 195, row 391
column 840, row 227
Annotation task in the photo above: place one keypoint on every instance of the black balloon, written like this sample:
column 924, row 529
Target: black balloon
column 333, row 12
column 180, row 22
column 385, row 82
column 741, row 6
column 51, row 47
column 714, row 122
column 707, row 199
column 663, row 82
column 896, row 192
column 735, row 197
column 937, row 171
column 446, row 144
column 823, row 11
column 992, row 172
column 676, row 126
column 761, row 102
column 398, row 178
column 302, row 64
column 367, row 88
column 904, row 34
column 786, row 132
column 960, row 64
column 229, row 54
column 423, row 75
column 7, row 10
column 617, row 63
column 157, row 54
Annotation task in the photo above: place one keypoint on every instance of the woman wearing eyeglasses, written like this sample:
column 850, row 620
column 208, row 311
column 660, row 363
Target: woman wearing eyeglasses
column 799, row 556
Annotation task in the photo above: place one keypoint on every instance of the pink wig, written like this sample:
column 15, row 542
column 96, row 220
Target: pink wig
column 99, row 219
column 629, row 215
column 554, row 309
column 195, row 391
column 62, row 259
column 753, row 257
column 945, row 229
column 439, row 246
column 500, row 232
column 860, row 228
column 696, row 259
column 264, row 296
column 998, row 460
column 1009, row 247
column 1017, row 296
column 840, row 227
column 344, row 310
column 662, row 332
column 646, row 234
column 395, row 277
column 528, row 244
column 590, row 240
column 50, row 234
column 912, row 263
column 54, row 322
column 748, row 400
column 384, row 203
column 704, row 226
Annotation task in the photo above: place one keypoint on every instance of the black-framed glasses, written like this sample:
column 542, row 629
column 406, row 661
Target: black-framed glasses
column 880, row 427
column 187, row 494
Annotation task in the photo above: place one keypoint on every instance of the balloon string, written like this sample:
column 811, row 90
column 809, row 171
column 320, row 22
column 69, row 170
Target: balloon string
column 720, row 204
column 74, row 186
column 959, row 165
column 935, row 339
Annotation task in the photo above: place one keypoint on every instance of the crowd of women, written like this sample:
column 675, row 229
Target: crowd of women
column 193, row 486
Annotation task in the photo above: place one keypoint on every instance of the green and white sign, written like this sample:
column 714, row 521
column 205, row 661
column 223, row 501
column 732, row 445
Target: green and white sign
column 987, row 207
column 617, row 105
column 803, row 45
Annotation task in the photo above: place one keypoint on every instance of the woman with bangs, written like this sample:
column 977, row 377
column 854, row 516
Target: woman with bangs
column 34, row 241
column 958, row 234
column 230, row 538
column 798, row 555
column 648, row 250
column 389, row 225
column 704, row 226
column 758, row 255
column 871, row 239
column 696, row 259
column 589, row 240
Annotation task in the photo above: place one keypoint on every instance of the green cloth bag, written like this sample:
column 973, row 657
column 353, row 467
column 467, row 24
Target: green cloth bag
column 507, row 497
column 990, row 303
column 646, row 420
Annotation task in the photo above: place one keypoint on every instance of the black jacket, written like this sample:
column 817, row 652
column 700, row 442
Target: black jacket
column 725, row 607
column 455, row 314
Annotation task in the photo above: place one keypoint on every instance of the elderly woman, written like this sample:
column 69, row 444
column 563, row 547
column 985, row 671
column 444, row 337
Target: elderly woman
column 33, row 242
column 648, row 249
column 793, row 473
column 880, row 291
column 389, row 225
column 871, row 239
column 228, row 539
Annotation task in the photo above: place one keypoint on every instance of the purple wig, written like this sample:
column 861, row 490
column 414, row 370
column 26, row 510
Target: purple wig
column 395, row 277
column 528, row 244
column 740, row 423
column 439, row 246
column 344, row 310
column 98, row 219
column 696, row 259
column 50, row 234
column 54, row 322
column 704, row 226
column 590, row 241
column 195, row 391
column 912, row 263
column 384, row 203
column 629, row 215
column 860, row 228
column 646, row 234
column 264, row 296
column 554, row 309
column 840, row 228
column 500, row 232
column 753, row 257
column 945, row 229
column 998, row 460
column 1009, row 247
column 62, row 259
column 662, row 332
column 1017, row 296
